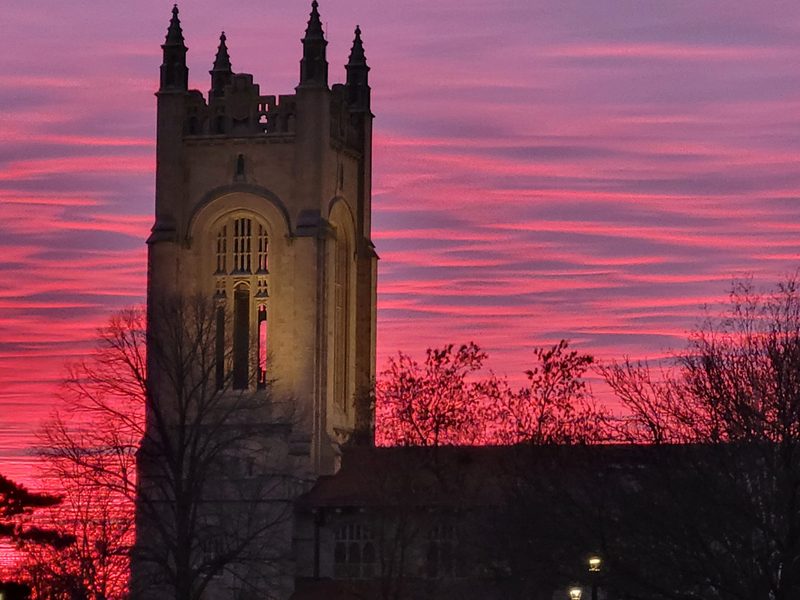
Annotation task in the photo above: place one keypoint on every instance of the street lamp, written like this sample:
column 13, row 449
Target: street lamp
column 575, row 593
column 595, row 563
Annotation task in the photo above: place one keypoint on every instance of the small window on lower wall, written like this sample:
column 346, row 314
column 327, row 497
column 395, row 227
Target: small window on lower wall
column 354, row 555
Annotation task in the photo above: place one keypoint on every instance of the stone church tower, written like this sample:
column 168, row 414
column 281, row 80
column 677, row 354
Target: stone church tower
column 263, row 208
column 263, row 203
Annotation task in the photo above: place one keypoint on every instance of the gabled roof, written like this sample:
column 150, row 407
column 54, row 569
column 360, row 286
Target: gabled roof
column 448, row 477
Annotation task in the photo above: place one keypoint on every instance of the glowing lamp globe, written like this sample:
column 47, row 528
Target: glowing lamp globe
column 594, row 564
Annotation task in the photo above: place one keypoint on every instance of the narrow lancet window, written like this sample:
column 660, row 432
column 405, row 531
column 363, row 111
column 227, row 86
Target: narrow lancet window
column 240, row 166
column 219, row 358
column 222, row 250
column 242, row 246
column 241, row 337
column 341, row 323
column 263, row 242
column 262, row 346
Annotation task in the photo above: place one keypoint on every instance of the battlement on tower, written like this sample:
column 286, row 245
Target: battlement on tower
column 242, row 111
column 236, row 108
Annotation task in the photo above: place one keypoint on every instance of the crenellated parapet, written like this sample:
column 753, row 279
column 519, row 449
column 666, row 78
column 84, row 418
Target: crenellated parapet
column 240, row 112
column 235, row 107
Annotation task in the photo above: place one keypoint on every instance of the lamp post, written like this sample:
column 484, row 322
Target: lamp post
column 575, row 593
column 595, row 563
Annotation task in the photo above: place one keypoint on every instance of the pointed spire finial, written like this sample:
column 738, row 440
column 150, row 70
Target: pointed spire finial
column 358, row 92
column 174, row 33
column 314, row 29
column 221, row 72
column 174, row 73
column 357, row 56
column 222, row 62
column 314, row 66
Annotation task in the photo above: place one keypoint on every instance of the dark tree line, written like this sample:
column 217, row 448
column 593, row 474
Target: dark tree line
column 716, row 511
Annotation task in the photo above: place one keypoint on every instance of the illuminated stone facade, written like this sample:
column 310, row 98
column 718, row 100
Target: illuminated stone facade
column 263, row 208
column 263, row 203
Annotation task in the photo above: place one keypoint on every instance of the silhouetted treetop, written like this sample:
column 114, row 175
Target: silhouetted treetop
column 17, row 503
column 449, row 400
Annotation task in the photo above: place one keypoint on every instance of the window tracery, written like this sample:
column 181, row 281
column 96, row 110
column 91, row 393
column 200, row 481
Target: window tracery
column 241, row 242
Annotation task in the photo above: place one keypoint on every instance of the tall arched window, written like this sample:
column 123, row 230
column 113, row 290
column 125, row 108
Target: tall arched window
column 240, row 267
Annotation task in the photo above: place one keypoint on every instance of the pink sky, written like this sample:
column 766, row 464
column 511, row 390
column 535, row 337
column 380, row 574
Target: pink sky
column 593, row 170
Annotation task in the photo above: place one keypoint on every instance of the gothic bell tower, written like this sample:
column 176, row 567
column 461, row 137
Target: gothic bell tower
column 263, row 206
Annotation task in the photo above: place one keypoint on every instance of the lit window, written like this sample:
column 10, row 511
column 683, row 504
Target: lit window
column 262, row 346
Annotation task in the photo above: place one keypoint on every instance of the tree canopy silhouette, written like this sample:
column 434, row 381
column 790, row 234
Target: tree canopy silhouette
column 716, row 508
column 17, row 504
column 450, row 400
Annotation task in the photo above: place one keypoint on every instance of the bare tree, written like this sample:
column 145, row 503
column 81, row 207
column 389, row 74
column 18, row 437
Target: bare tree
column 431, row 404
column 447, row 400
column 95, row 565
column 556, row 407
column 511, row 510
column 721, row 476
column 166, row 430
